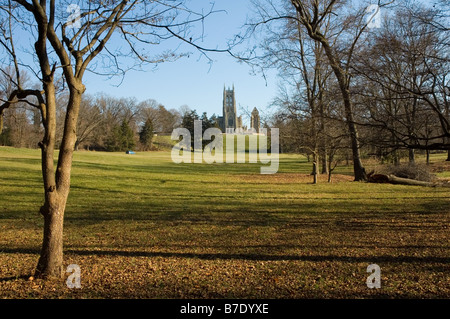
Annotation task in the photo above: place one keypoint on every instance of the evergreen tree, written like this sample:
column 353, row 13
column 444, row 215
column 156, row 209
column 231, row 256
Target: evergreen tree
column 127, row 136
column 188, row 123
column 5, row 137
column 121, row 138
column 146, row 135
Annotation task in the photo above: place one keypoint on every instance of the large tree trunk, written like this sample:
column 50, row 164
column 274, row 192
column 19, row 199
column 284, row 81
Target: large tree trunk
column 358, row 168
column 359, row 171
column 50, row 263
column 57, row 184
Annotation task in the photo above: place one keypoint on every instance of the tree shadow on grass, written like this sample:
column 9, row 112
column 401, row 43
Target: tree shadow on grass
column 266, row 257
column 11, row 278
column 244, row 256
column 426, row 261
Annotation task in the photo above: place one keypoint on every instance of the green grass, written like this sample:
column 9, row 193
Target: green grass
column 141, row 226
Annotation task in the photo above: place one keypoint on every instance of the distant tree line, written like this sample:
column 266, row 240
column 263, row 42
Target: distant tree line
column 191, row 116
column 105, row 123
column 349, row 88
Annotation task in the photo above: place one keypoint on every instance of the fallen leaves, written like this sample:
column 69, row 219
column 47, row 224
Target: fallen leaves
column 229, row 236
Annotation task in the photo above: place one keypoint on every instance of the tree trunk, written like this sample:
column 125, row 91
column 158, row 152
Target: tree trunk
column 324, row 162
column 448, row 152
column 359, row 171
column 396, row 158
column 412, row 157
column 50, row 263
column 323, row 158
column 314, row 172
column 358, row 168
column 330, row 165
column 56, row 183
column 324, row 139
column 330, row 170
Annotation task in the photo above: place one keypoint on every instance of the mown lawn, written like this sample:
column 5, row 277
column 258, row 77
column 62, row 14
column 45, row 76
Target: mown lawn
column 140, row 226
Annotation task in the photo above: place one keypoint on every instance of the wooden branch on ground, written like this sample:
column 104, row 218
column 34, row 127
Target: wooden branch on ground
column 392, row 179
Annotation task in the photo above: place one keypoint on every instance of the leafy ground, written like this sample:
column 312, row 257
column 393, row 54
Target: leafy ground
column 140, row 226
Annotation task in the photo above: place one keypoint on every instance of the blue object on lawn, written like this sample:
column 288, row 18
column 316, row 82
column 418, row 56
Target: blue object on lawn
column 130, row 152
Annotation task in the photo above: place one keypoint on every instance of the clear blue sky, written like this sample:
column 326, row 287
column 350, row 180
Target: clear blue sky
column 192, row 81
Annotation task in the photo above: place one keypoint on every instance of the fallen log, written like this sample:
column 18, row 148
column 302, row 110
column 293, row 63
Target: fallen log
column 392, row 179
column 407, row 181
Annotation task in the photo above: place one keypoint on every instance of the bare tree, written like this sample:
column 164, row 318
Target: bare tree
column 89, row 119
column 407, row 80
column 349, row 28
column 19, row 122
column 70, row 45
column 302, row 66
column 311, row 14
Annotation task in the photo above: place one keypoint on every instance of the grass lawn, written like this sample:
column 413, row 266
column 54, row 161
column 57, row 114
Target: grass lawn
column 140, row 226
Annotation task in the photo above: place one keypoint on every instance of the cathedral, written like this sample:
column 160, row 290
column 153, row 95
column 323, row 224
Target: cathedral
column 229, row 122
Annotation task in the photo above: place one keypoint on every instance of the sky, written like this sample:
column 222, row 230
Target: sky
column 193, row 81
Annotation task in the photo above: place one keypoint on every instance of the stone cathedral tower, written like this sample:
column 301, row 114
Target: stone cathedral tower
column 229, row 118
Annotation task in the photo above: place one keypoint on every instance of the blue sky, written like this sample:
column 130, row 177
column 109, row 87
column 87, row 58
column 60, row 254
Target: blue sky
column 192, row 81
